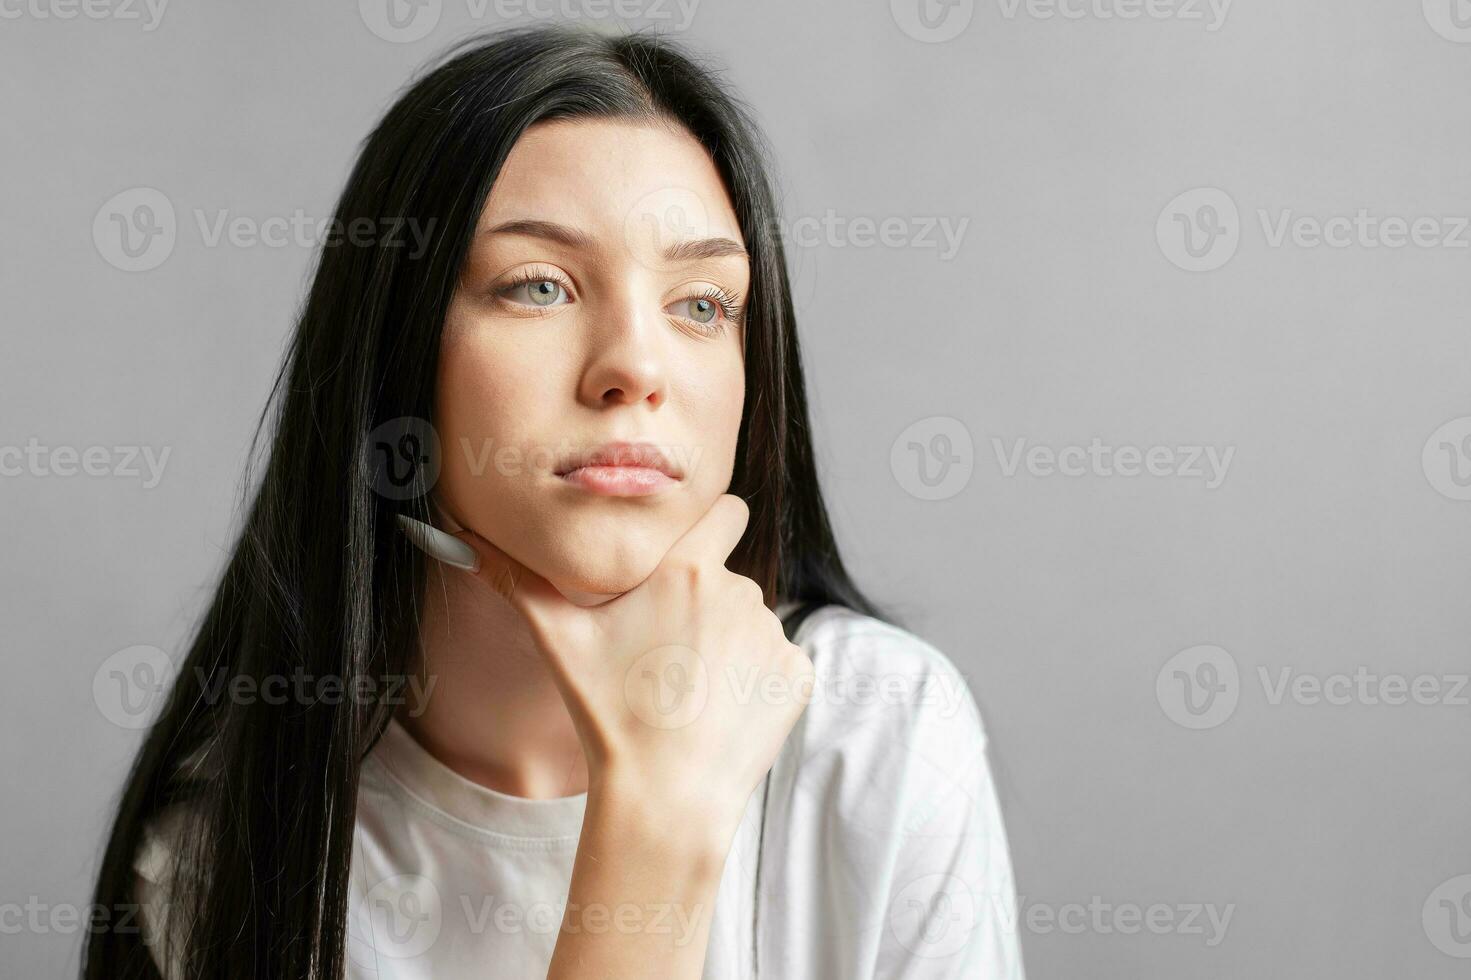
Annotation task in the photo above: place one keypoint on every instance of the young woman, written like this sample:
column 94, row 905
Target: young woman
column 496, row 681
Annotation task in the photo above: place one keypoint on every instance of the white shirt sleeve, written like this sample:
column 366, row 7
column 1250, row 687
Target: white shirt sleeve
column 889, row 858
column 151, row 892
column 952, row 900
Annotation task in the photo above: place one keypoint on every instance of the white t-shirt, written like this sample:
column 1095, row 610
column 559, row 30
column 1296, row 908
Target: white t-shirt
column 883, row 853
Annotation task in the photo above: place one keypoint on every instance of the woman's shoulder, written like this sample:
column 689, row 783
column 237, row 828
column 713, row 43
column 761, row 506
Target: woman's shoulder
column 890, row 731
column 885, row 783
column 875, row 674
column 154, row 866
column 153, row 858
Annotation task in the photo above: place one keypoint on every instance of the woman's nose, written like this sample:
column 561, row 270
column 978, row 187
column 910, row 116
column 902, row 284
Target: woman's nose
column 626, row 363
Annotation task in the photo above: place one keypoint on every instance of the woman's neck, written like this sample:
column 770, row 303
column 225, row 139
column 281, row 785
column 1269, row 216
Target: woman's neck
column 493, row 713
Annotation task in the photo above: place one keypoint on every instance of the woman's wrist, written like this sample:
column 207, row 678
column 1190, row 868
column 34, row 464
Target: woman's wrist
column 691, row 830
column 650, row 878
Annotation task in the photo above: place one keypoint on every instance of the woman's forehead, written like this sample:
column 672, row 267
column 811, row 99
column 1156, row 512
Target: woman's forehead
column 641, row 184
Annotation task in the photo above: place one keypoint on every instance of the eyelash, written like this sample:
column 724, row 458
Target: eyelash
column 731, row 309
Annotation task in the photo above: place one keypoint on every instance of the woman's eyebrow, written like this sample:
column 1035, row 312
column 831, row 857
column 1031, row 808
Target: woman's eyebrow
column 561, row 234
column 684, row 251
column 704, row 248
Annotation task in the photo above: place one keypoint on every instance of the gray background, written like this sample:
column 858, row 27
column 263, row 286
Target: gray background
column 1333, row 831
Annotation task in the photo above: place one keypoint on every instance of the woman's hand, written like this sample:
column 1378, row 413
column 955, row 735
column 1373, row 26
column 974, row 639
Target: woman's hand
column 683, row 689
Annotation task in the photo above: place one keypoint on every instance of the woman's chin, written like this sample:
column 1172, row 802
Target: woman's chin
column 587, row 599
column 583, row 586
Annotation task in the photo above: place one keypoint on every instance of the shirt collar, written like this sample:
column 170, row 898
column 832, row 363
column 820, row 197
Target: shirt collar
column 439, row 787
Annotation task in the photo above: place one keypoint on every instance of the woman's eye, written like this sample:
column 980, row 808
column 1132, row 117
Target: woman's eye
column 698, row 309
column 538, row 292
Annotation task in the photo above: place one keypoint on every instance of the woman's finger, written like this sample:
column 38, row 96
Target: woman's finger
column 715, row 535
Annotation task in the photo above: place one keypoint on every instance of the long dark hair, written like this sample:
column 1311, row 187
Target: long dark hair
column 321, row 582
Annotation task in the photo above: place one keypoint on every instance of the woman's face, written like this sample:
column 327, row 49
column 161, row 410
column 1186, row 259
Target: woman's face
column 600, row 303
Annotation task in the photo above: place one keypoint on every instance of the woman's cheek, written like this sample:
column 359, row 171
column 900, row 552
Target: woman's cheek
column 474, row 427
column 717, row 452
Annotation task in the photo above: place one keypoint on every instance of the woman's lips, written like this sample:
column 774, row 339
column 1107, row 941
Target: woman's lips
column 619, row 481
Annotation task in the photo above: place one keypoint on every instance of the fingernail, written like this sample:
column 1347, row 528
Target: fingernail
column 440, row 546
